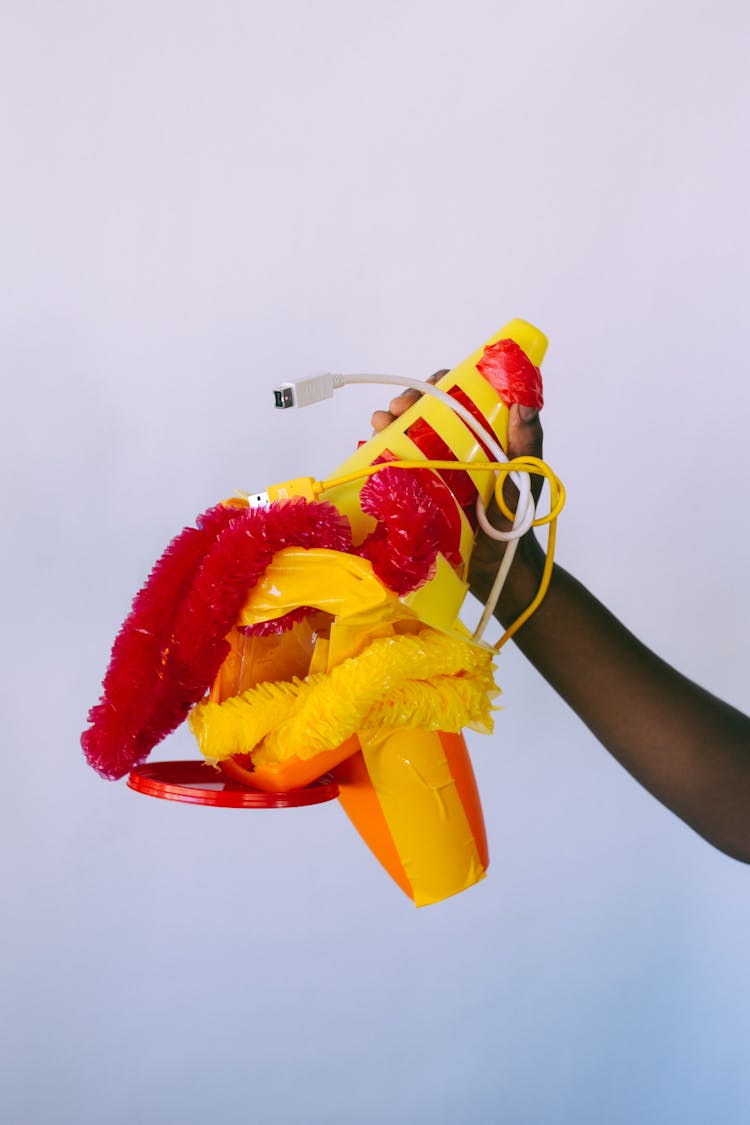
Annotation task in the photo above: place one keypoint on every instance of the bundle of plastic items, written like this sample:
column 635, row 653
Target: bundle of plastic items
column 318, row 631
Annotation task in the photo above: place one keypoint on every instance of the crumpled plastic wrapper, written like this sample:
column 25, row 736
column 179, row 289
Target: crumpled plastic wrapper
column 512, row 374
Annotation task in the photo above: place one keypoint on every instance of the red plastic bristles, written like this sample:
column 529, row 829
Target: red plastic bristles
column 173, row 643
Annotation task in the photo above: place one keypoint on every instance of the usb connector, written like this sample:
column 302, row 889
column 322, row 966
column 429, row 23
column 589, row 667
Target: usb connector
column 305, row 487
column 283, row 397
column 304, row 392
column 255, row 499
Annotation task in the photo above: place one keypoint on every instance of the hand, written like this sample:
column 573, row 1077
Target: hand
column 524, row 439
column 397, row 406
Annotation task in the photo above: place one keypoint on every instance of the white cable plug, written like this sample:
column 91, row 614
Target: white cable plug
column 304, row 392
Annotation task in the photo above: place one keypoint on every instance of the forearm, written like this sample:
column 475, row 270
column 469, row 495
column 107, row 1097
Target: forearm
column 688, row 748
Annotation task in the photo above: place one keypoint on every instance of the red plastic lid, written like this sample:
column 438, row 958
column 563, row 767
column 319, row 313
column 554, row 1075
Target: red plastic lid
column 197, row 783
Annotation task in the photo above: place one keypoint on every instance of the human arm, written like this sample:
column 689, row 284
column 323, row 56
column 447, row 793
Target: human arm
column 685, row 746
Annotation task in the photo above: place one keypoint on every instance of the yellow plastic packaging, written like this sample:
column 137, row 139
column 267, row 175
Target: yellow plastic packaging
column 285, row 709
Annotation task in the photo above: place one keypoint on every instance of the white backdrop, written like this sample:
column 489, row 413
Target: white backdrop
column 200, row 200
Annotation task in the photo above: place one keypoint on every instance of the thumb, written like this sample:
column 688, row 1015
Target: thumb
column 525, row 438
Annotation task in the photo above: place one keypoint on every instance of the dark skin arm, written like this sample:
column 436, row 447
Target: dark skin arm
column 685, row 746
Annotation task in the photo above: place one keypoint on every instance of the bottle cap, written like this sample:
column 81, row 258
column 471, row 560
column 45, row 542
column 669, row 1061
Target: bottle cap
column 198, row 783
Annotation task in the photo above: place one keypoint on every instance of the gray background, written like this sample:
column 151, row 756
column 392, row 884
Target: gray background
column 198, row 201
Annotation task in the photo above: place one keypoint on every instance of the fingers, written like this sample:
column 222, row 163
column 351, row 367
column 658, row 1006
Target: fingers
column 381, row 419
column 525, row 436
column 524, row 428
column 398, row 405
